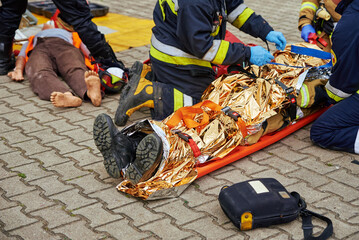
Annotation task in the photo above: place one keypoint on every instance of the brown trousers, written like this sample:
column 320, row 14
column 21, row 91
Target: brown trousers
column 52, row 57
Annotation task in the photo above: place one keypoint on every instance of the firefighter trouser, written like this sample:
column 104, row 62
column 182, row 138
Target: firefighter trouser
column 338, row 127
column 10, row 16
column 167, row 100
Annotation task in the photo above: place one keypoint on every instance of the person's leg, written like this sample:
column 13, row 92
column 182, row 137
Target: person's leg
column 41, row 72
column 338, row 127
column 78, row 14
column 10, row 16
column 69, row 63
column 71, row 66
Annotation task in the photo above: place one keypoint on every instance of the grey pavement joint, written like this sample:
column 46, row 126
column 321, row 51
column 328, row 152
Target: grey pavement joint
column 53, row 184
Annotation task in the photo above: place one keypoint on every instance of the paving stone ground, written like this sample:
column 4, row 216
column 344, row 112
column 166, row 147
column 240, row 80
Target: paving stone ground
column 53, row 184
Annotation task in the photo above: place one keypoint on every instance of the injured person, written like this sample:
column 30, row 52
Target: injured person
column 53, row 51
column 236, row 109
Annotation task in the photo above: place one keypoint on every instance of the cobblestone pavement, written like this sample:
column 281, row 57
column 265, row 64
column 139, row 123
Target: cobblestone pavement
column 53, row 184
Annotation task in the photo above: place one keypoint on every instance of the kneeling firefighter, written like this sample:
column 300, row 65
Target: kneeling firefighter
column 317, row 20
column 338, row 127
column 187, row 39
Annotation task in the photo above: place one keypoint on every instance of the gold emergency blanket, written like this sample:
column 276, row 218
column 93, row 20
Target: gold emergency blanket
column 214, row 131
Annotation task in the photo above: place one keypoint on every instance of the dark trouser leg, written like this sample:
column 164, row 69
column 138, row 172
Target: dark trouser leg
column 338, row 127
column 162, row 98
column 41, row 72
column 167, row 100
column 70, row 64
column 7, row 61
column 10, row 17
column 77, row 13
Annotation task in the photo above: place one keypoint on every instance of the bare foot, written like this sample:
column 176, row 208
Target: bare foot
column 93, row 87
column 59, row 99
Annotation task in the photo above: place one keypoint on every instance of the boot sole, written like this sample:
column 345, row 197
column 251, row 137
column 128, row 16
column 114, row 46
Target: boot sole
column 102, row 134
column 121, row 117
column 148, row 157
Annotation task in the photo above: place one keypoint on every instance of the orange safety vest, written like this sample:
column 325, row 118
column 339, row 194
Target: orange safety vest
column 76, row 42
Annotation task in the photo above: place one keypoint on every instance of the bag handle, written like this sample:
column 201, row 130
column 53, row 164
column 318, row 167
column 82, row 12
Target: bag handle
column 307, row 225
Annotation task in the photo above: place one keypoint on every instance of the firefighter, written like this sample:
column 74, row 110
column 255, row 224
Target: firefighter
column 318, row 17
column 187, row 39
column 338, row 127
column 76, row 13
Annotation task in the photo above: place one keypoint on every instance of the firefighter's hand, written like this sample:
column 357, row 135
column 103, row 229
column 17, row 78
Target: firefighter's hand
column 16, row 75
column 277, row 38
column 260, row 56
column 306, row 30
column 328, row 26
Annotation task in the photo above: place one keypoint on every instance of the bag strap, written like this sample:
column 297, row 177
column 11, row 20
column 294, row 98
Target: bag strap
column 307, row 225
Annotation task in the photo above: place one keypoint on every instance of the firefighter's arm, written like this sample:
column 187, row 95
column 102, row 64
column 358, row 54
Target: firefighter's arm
column 18, row 73
column 307, row 12
column 245, row 19
column 195, row 34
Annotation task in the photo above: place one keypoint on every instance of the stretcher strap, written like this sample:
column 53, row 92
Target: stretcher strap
column 187, row 138
column 237, row 118
column 311, row 52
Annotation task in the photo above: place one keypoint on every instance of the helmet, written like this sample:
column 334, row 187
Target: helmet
column 113, row 79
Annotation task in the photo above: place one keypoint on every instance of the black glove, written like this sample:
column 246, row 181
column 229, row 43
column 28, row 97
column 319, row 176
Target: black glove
column 328, row 26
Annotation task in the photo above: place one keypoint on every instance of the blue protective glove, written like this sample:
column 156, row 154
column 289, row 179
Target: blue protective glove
column 277, row 38
column 260, row 56
column 306, row 30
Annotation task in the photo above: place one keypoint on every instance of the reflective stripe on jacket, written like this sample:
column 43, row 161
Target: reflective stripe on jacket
column 197, row 19
column 309, row 8
column 190, row 34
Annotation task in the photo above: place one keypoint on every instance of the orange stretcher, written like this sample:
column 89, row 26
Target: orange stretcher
column 266, row 140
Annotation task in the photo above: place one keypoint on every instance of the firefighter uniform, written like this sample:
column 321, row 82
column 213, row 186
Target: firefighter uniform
column 338, row 127
column 187, row 39
column 308, row 15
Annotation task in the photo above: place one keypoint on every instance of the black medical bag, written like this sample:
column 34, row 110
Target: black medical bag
column 264, row 202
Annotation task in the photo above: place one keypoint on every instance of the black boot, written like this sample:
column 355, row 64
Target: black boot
column 148, row 158
column 117, row 149
column 7, row 61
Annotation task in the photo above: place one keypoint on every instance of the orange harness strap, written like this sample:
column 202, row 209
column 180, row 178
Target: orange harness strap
column 77, row 43
column 187, row 114
column 29, row 47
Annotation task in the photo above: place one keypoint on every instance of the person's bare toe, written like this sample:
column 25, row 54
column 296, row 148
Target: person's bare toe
column 93, row 87
column 59, row 99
